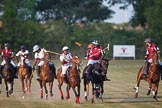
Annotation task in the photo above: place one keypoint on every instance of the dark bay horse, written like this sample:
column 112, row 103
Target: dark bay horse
column 25, row 75
column 97, row 77
column 8, row 76
column 73, row 79
column 153, row 77
column 46, row 76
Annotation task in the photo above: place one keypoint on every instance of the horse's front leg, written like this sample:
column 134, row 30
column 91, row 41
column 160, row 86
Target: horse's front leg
column 22, row 85
column 155, row 90
column 67, row 92
column 41, row 90
column 45, row 88
column 0, row 84
column 86, row 89
column 102, row 90
column 51, row 86
column 7, row 94
column 29, row 85
column 78, row 95
column 149, row 89
column 10, row 86
column 93, row 93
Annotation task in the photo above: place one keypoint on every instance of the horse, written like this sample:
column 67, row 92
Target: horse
column 25, row 74
column 46, row 76
column 96, row 78
column 73, row 77
column 153, row 77
column 8, row 76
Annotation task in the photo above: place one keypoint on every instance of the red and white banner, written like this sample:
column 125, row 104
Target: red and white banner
column 123, row 51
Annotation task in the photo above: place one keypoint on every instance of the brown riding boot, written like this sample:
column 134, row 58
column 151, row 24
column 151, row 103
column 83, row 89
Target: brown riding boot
column 16, row 72
column 146, row 68
column 38, row 72
column 1, row 67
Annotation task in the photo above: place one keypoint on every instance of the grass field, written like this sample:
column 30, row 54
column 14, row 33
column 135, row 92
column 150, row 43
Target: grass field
column 118, row 93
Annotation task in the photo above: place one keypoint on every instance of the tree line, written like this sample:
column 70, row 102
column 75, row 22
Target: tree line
column 55, row 23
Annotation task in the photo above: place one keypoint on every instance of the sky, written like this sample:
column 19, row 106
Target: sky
column 120, row 16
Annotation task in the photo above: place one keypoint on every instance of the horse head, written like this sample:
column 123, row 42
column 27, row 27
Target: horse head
column 76, row 60
column 155, row 57
column 46, row 58
column 8, row 60
column 104, row 63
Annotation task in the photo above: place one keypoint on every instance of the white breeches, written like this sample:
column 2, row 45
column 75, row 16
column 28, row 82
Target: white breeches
column 41, row 63
column 92, row 62
column 26, row 61
column 4, row 62
column 64, row 68
column 150, row 61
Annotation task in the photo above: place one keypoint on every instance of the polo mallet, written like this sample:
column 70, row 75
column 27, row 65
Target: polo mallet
column 78, row 44
column 108, row 47
column 54, row 52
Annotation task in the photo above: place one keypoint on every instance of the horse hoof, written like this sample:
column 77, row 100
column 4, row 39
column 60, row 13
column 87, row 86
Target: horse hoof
column 92, row 100
column 136, row 95
column 156, row 100
column 67, row 97
column 62, row 98
column 86, row 98
column 10, row 92
column 148, row 93
column 51, row 95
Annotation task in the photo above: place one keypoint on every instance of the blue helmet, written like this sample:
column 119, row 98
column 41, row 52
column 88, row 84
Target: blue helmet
column 22, row 47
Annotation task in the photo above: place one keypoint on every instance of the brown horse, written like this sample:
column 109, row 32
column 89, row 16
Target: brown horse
column 8, row 76
column 153, row 77
column 73, row 79
column 46, row 76
column 25, row 74
column 96, row 78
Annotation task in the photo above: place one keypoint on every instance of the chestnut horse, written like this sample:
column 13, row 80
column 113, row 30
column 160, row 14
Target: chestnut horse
column 73, row 78
column 25, row 74
column 46, row 76
column 153, row 77
column 96, row 78
column 8, row 76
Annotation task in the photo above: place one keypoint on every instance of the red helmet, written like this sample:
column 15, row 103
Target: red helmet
column 90, row 46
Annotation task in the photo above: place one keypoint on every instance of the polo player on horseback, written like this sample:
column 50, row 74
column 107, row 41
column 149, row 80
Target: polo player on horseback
column 65, row 59
column 39, row 59
column 151, row 47
column 95, row 55
column 7, row 52
column 24, row 55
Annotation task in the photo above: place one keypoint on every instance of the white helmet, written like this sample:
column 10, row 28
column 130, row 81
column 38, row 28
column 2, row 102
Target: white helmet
column 65, row 48
column 95, row 42
column 35, row 48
